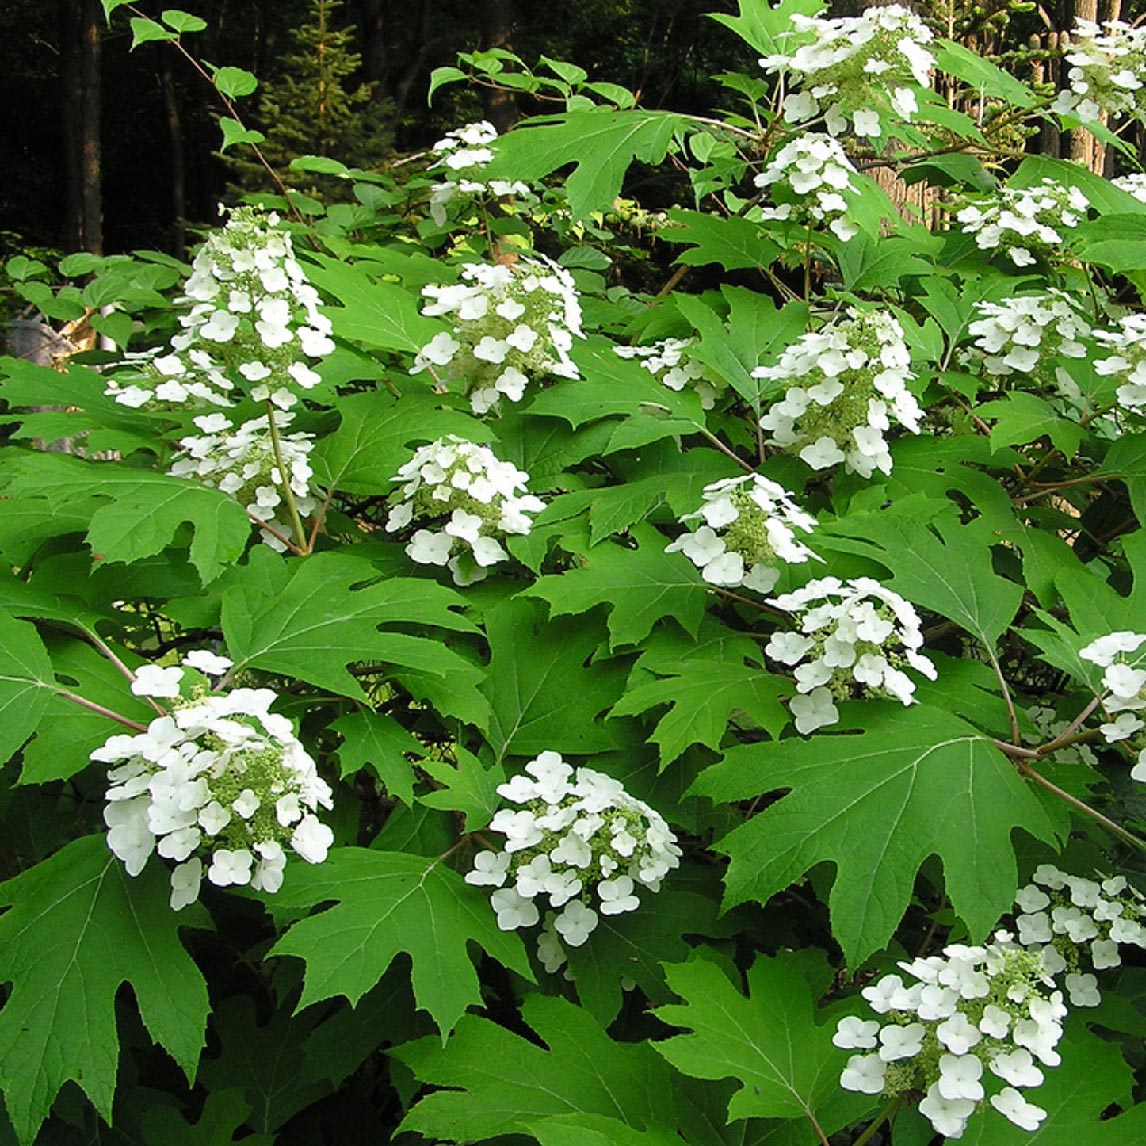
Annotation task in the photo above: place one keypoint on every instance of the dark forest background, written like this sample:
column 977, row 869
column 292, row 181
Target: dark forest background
column 108, row 149
column 65, row 76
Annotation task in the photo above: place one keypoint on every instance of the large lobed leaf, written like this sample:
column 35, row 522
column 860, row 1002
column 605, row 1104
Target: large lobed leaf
column 311, row 618
column 911, row 783
column 141, row 512
column 77, row 928
column 502, row 1083
column 600, row 142
column 386, row 903
column 773, row 1042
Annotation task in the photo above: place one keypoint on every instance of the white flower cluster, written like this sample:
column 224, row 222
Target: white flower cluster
column 482, row 497
column 241, row 461
column 1015, row 335
column 574, row 834
column 749, row 528
column 1107, row 71
column 813, row 174
column 854, row 375
column 220, row 785
column 671, row 364
column 1025, row 221
column 856, row 68
column 467, row 146
column 510, row 324
column 971, row 1008
column 854, row 637
column 1124, row 683
column 463, row 149
column 253, row 325
column 1063, row 917
column 1127, row 361
column 1133, row 184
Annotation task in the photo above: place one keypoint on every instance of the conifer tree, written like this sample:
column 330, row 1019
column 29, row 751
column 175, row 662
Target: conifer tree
column 313, row 108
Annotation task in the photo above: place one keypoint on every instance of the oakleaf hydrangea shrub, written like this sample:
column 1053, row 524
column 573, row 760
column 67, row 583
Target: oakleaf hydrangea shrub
column 855, row 68
column 1107, row 71
column 852, row 389
column 853, row 638
column 1016, row 525
column 749, row 529
column 1025, row 223
column 512, row 325
column 251, row 325
column 482, row 500
column 220, row 786
column 576, row 842
column 970, row 1029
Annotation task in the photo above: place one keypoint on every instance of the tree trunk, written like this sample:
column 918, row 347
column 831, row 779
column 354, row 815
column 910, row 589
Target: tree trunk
column 497, row 20
column 178, row 164
column 80, row 22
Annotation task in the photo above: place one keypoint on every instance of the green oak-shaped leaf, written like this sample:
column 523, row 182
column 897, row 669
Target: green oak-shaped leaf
column 639, row 585
column 938, row 562
column 773, row 1042
column 601, row 142
column 26, row 683
column 328, row 611
column 375, row 312
column 468, row 787
column 701, row 702
column 500, row 1082
column 386, row 903
column 141, row 512
column 377, row 741
column 911, row 783
column 543, row 692
column 78, row 928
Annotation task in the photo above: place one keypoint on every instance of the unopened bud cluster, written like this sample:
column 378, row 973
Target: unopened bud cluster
column 749, row 529
column 465, row 149
column 480, row 498
column 511, row 325
column 672, row 364
column 854, row 639
column 1124, row 695
column 577, row 843
column 242, row 461
column 1107, row 71
column 855, row 68
column 1025, row 222
column 1076, row 926
column 967, row 1031
column 221, row 786
column 810, row 179
column 853, row 385
column 1019, row 335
